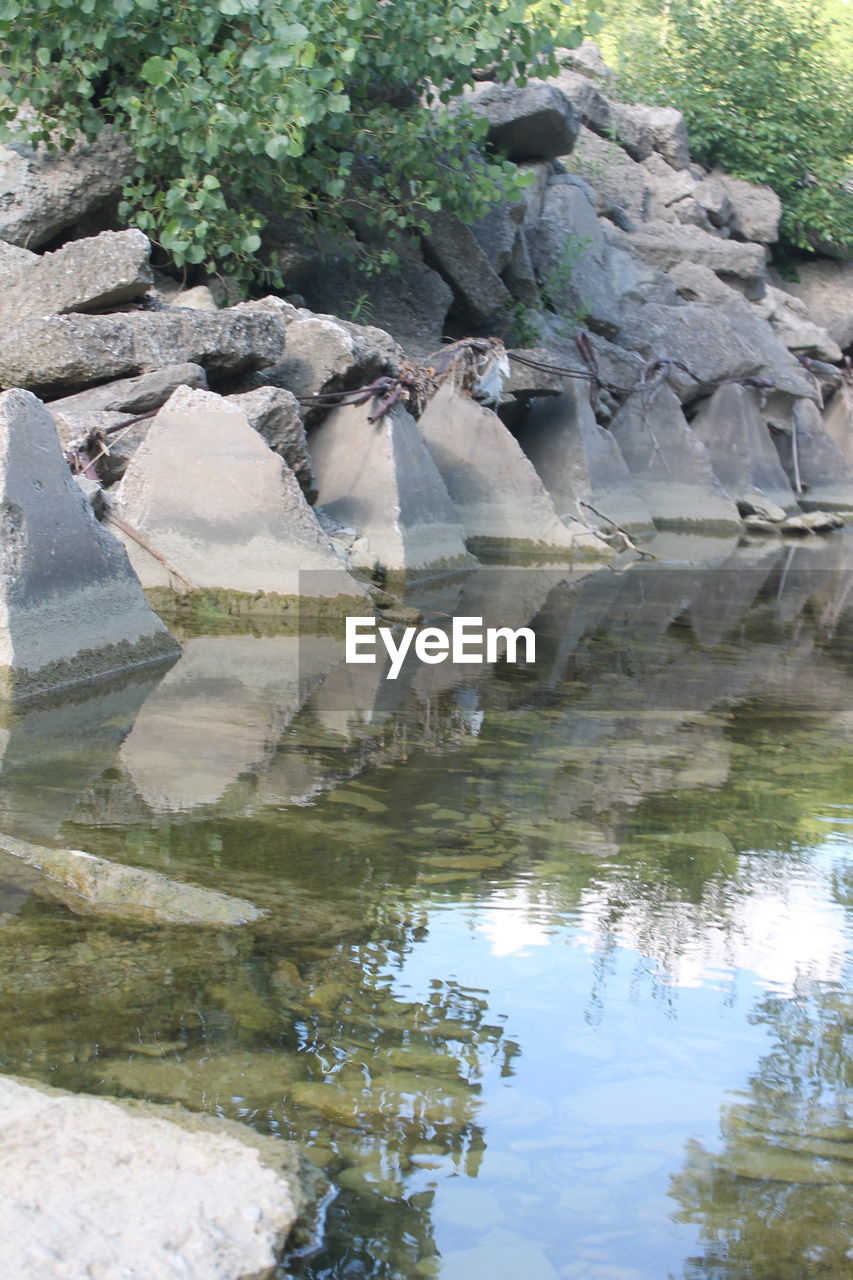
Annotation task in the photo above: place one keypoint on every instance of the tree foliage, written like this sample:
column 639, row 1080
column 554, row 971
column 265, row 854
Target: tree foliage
column 333, row 108
column 765, row 87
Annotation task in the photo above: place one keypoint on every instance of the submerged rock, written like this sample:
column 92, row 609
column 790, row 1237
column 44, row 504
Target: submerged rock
column 71, row 606
column 137, row 1191
column 96, row 886
column 220, row 512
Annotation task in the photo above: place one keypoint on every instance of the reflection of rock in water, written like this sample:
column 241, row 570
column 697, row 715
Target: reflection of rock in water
column 54, row 747
column 217, row 714
column 775, row 1202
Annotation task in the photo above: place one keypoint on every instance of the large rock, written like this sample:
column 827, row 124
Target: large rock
column 95, row 1187
column 84, row 275
column 741, row 450
column 716, row 344
column 670, row 466
column 224, row 513
column 379, row 479
column 324, row 353
column 664, row 244
column 42, row 192
column 71, row 606
column 590, row 105
column 62, row 353
column 503, row 504
column 579, row 462
column 756, row 210
column 451, row 248
column 815, row 464
column 536, row 122
column 133, row 395
column 827, row 290
column 274, row 413
column 838, row 421
column 93, row 886
column 668, row 130
column 620, row 183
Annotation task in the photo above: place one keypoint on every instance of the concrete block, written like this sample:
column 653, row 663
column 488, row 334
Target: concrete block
column 740, row 447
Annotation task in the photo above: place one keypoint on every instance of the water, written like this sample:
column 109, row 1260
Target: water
column 554, row 980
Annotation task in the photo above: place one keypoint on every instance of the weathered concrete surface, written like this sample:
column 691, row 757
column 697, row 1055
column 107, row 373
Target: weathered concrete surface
column 207, row 493
column 88, row 885
column 824, row 473
column 43, row 192
column 70, row 607
column 274, row 414
column 133, row 395
column 501, row 500
column 63, row 353
column 379, row 479
column 579, row 462
column 536, row 122
column 95, row 1187
column 742, row 453
column 453, row 251
column 838, row 421
column 83, row 275
column 670, row 466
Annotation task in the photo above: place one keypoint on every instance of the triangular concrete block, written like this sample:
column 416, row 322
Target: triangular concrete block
column 740, row 447
column 579, row 462
column 70, row 605
column 670, row 466
column 812, row 457
column 379, row 479
column 505, row 508
column 206, row 506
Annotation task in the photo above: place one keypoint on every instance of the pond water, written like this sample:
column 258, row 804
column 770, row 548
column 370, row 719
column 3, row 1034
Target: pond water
column 554, row 980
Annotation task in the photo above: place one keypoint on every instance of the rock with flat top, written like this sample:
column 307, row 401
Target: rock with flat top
column 134, row 395
column 70, row 605
column 378, row 479
column 134, row 1190
column 84, row 275
column 503, row 504
column 66, row 353
column 212, row 509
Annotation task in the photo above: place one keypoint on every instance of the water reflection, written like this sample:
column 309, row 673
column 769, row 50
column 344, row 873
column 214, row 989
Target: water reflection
column 539, row 941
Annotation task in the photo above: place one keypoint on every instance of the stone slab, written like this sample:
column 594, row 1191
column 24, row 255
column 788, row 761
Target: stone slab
column 742, row 453
column 70, row 606
column 133, row 395
column 83, row 275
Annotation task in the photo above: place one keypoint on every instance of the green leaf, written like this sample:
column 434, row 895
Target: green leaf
column 155, row 71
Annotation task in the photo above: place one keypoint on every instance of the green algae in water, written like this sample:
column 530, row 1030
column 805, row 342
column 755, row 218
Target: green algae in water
column 530, row 1012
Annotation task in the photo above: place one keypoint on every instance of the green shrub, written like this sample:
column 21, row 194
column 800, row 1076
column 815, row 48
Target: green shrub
column 765, row 88
column 327, row 109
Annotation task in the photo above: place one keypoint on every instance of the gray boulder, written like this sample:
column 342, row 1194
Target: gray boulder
column 579, row 462
column 536, row 122
column 669, row 133
column 452, row 249
column 71, row 605
column 742, row 453
column 620, row 183
column 84, row 275
column 206, row 506
column 664, row 245
column 696, row 283
column 274, row 413
column 716, row 344
column 62, row 353
column 827, row 290
column 134, row 395
column 670, row 466
column 838, row 421
column 378, row 478
column 590, row 105
column 502, row 502
column 43, row 192
column 667, row 186
column 756, row 210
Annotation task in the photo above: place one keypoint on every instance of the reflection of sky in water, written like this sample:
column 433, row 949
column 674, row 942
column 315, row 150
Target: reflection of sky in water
column 620, row 1066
